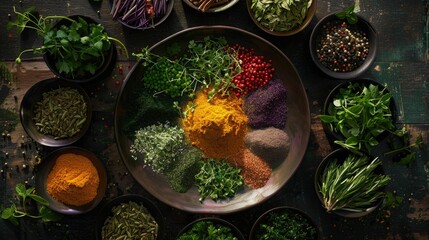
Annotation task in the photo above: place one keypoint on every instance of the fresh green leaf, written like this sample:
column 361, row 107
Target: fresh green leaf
column 39, row 199
column 7, row 213
column 21, row 190
column 48, row 215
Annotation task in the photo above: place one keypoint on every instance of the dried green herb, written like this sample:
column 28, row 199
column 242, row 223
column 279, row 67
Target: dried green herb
column 280, row 15
column 160, row 145
column 218, row 179
column 13, row 212
column 61, row 113
column 129, row 220
column 352, row 184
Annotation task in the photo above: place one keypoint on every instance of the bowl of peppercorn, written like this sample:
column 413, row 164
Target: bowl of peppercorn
column 343, row 45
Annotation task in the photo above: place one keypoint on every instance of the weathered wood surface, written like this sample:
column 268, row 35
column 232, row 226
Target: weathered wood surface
column 401, row 63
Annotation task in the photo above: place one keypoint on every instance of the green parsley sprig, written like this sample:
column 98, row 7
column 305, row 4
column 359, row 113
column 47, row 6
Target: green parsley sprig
column 208, row 230
column 78, row 49
column 14, row 212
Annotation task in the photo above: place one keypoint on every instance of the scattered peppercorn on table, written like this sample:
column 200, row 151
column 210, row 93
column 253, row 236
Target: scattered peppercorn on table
column 401, row 65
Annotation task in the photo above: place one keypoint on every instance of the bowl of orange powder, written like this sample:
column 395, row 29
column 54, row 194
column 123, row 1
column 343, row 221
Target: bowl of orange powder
column 72, row 179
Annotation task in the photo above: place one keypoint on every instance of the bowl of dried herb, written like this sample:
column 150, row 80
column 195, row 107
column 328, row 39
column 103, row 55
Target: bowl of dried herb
column 282, row 18
column 350, row 184
column 343, row 45
column 288, row 222
column 130, row 215
column 55, row 112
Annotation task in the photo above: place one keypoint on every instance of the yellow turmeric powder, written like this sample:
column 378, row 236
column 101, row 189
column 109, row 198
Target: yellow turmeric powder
column 73, row 180
column 217, row 127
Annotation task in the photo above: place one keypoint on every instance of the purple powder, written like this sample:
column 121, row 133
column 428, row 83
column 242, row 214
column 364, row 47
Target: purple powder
column 266, row 106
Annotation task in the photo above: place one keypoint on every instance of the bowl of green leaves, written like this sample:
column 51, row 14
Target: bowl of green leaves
column 75, row 48
column 210, row 228
column 343, row 44
column 350, row 184
column 288, row 222
column 282, row 18
column 358, row 114
column 56, row 113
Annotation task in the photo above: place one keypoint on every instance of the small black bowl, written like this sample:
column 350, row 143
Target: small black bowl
column 106, row 211
column 103, row 71
column 133, row 25
column 341, row 154
column 311, row 11
column 362, row 25
column 217, row 222
column 45, row 168
column 34, row 95
column 332, row 135
column 263, row 219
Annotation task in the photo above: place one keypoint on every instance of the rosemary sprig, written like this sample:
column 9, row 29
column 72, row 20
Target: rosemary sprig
column 352, row 185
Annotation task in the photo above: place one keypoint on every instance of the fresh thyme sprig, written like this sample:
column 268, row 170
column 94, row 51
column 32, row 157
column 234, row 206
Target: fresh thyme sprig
column 353, row 184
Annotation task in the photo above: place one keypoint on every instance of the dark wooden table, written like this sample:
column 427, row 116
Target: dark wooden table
column 401, row 63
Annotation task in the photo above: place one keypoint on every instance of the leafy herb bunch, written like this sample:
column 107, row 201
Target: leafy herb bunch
column 78, row 46
column 348, row 14
column 14, row 212
column 360, row 114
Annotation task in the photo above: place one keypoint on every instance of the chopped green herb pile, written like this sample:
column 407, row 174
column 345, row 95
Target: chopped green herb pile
column 286, row 225
column 208, row 230
column 13, row 212
column 160, row 144
column 280, row 15
column 352, row 184
column 360, row 114
column 218, row 179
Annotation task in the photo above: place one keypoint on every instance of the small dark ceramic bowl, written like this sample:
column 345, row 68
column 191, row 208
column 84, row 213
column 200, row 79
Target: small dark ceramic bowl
column 106, row 211
column 341, row 154
column 310, row 14
column 133, row 25
column 105, row 69
column 217, row 222
column 35, row 95
column 213, row 9
column 332, row 135
column 45, row 168
column 263, row 219
column 362, row 25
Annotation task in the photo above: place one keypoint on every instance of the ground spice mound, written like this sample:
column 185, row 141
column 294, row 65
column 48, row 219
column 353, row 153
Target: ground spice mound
column 266, row 106
column 270, row 144
column 255, row 171
column 73, row 180
column 217, row 127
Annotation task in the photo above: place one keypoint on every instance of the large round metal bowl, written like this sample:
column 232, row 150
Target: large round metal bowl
column 297, row 125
